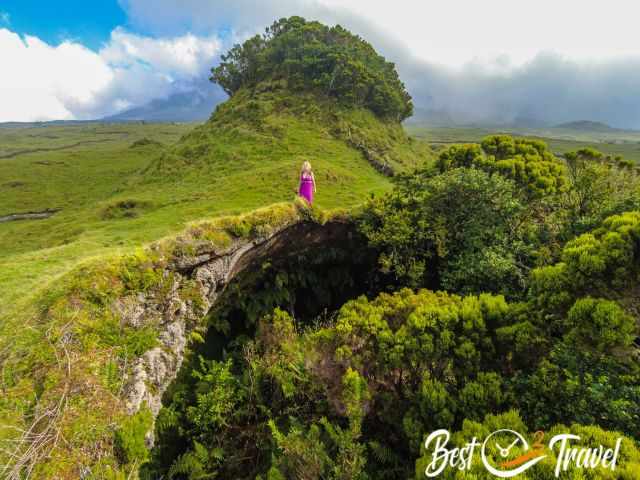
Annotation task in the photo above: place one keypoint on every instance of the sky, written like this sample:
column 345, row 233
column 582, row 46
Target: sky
column 469, row 61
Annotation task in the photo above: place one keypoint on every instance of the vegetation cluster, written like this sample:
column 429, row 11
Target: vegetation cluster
column 495, row 286
column 504, row 297
column 309, row 56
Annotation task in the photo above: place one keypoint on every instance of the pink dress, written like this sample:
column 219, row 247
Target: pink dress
column 306, row 188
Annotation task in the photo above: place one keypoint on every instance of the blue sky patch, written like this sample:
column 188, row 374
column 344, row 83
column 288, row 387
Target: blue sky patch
column 87, row 22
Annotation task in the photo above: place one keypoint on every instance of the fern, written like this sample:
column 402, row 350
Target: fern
column 194, row 464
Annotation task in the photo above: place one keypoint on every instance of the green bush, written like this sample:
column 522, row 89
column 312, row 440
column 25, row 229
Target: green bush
column 460, row 230
column 311, row 56
column 129, row 439
column 529, row 163
column 602, row 263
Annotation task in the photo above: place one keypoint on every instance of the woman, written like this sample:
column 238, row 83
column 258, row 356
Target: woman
column 307, row 183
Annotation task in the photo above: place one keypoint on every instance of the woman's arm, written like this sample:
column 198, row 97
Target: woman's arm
column 313, row 177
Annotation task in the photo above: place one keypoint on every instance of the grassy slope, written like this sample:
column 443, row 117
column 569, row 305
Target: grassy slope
column 63, row 368
column 247, row 157
column 59, row 277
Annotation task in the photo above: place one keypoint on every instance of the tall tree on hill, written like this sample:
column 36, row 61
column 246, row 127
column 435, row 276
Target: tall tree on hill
column 311, row 56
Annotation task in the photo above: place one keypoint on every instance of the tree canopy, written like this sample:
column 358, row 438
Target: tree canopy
column 527, row 162
column 312, row 56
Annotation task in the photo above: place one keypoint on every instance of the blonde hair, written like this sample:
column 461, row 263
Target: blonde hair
column 306, row 167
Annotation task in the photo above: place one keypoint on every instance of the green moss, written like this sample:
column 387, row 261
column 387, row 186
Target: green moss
column 190, row 292
column 129, row 439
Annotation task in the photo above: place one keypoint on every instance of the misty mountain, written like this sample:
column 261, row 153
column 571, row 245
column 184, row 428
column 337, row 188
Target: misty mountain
column 444, row 118
column 426, row 116
column 190, row 106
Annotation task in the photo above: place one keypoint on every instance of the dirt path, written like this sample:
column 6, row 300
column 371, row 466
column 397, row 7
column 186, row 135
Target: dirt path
column 52, row 149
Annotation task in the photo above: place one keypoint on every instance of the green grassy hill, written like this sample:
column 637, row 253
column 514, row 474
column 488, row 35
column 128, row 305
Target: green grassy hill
column 120, row 186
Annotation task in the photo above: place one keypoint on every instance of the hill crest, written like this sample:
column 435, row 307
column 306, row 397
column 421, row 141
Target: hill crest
column 269, row 123
column 587, row 125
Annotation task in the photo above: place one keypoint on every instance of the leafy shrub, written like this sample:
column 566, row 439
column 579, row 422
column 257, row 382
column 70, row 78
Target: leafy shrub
column 529, row 163
column 311, row 56
column 129, row 438
column 570, row 386
column 130, row 208
column 598, row 188
column 600, row 264
column 145, row 142
column 601, row 324
column 458, row 230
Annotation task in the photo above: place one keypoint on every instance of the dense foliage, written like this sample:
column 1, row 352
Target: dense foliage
column 516, row 328
column 484, row 216
column 462, row 230
column 354, row 398
column 527, row 162
column 311, row 56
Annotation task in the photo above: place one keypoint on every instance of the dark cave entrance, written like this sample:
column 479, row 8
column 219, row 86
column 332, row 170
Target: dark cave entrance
column 310, row 283
column 309, row 271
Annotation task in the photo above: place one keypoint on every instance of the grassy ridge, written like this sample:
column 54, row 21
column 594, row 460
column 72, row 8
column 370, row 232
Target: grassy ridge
column 65, row 363
column 116, row 195
column 63, row 348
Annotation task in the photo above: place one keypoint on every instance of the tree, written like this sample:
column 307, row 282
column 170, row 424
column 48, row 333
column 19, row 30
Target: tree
column 311, row 56
column 597, row 187
column 461, row 230
column 529, row 163
column 601, row 263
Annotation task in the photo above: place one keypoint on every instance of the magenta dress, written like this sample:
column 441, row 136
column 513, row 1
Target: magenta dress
column 306, row 188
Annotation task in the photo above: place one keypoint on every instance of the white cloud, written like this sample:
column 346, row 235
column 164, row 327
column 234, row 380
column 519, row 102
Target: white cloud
column 551, row 88
column 477, row 61
column 451, row 32
column 43, row 82
column 492, row 60
column 35, row 77
column 186, row 55
column 454, row 32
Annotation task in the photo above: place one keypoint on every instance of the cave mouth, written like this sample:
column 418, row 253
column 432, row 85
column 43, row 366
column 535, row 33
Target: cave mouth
column 307, row 271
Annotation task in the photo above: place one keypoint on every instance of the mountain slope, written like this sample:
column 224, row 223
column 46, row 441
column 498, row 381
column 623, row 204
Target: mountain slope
column 271, row 123
column 192, row 106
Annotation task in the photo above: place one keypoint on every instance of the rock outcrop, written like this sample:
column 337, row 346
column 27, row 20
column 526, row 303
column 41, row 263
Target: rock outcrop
column 206, row 273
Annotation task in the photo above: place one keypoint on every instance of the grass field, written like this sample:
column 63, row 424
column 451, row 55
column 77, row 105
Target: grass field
column 118, row 187
column 95, row 175
column 91, row 173
column 625, row 144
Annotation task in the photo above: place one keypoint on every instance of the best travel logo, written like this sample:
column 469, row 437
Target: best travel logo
column 506, row 453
